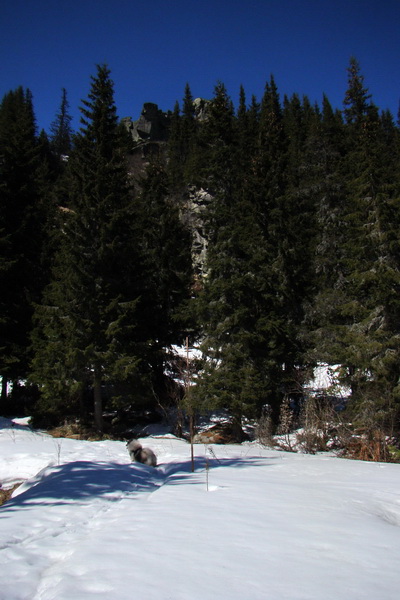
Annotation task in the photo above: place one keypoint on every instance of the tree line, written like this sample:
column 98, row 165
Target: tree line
column 302, row 264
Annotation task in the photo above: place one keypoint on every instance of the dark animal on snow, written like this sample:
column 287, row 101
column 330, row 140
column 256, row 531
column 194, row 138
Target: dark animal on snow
column 140, row 454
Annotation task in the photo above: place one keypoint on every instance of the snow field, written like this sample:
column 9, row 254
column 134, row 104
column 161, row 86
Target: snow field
column 272, row 525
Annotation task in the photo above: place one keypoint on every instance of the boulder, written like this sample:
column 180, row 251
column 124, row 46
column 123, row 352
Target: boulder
column 221, row 433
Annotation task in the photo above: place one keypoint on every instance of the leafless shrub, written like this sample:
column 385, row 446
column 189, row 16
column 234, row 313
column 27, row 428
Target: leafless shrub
column 284, row 438
column 374, row 416
column 369, row 445
column 316, row 421
column 264, row 429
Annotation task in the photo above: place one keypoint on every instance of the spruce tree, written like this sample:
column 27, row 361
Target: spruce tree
column 21, row 231
column 175, row 166
column 87, row 325
column 167, row 271
column 296, row 240
column 322, row 320
column 247, row 124
column 189, row 131
column 182, row 143
column 356, row 100
column 61, row 130
column 268, row 185
column 232, row 301
column 372, row 309
column 357, row 305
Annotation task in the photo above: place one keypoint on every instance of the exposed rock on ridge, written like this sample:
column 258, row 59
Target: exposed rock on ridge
column 152, row 125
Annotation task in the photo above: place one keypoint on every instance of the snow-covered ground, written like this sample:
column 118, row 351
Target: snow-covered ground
column 258, row 524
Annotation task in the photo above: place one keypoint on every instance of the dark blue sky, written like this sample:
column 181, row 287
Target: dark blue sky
column 153, row 47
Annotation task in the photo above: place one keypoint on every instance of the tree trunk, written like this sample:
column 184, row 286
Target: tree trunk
column 98, row 401
column 83, row 406
column 4, row 383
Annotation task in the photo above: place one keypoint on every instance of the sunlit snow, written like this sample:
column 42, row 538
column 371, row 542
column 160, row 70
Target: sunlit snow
column 250, row 524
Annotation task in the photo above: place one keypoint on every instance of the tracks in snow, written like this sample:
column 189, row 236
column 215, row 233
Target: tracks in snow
column 68, row 506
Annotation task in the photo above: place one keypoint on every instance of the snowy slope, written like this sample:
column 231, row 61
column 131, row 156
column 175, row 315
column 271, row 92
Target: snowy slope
column 271, row 525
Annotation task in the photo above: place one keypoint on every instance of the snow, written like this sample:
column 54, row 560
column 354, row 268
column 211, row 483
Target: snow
column 256, row 524
column 326, row 378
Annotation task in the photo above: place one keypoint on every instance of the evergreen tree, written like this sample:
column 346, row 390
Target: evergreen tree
column 233, row 298
column 324, row 340
column 61, row 130
column 296, row 240
column 167, row 271
column 372, row 307
column 356, row 98
column 189, row 131
column 21, row 231
column 87, row 325
column 175, row 166
column 247, row 124
column 357, row 301
column 270, row 164
column 182, row 142
column 268, row 185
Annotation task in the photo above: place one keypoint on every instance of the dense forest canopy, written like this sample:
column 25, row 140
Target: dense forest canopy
column 267, row 234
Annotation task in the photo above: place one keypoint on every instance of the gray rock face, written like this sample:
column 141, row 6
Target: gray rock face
column 152, row 124
column 197, row 203
column 150, row 132
column 201, row 108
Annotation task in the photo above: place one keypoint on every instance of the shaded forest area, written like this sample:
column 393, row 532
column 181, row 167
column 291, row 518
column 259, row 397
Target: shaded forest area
column 299, row 212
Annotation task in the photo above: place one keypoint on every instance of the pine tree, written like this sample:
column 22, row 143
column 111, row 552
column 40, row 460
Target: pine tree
column 296, row 242
column 323, row 338
column 247, row 123
column 167, row 271
column 182, row 143
column 175, row 166
column 21, row 231
column 231, row 304
column 357, row 303
column 87, row 325
column 356, row 96
column 61, row 130
column 268, row 185
column 372, row 308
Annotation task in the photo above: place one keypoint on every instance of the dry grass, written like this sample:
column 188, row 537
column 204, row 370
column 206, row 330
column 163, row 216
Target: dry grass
column 76, row 432
column 369, row 446
column 5, row 495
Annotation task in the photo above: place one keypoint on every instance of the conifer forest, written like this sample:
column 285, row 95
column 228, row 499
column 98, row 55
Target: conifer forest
column 264, row 234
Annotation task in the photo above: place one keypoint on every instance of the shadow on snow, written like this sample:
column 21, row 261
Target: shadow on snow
column 82, row 481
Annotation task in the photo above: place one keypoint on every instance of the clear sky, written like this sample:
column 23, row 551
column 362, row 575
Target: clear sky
column 153, row 47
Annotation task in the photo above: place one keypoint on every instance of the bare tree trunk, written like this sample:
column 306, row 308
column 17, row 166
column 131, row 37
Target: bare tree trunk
column 189, row 405
column 4, row 383
column 191, row 427
column 98, row 401
column 83, row 411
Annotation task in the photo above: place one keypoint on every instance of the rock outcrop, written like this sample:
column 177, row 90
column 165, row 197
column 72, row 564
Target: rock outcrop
column 150, row 134
column 152, row 125
column 201, row 108
column 197, row 202
column 222, row 433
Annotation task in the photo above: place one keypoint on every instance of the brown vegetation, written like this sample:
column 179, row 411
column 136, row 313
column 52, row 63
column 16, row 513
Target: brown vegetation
column 5, row 494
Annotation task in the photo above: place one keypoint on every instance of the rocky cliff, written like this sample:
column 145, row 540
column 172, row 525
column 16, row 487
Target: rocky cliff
column 149, row 135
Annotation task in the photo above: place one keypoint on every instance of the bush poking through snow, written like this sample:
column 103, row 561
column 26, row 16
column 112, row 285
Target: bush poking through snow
column 286, row 426
column 370, row 446
column 264, row 430
column 5, row 494
column 317, row 418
